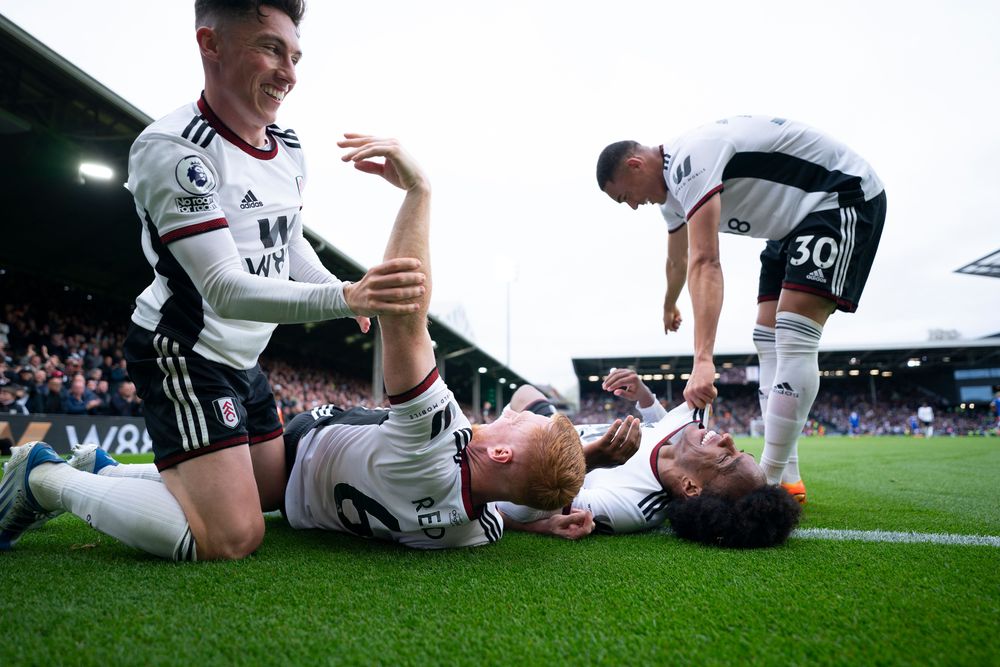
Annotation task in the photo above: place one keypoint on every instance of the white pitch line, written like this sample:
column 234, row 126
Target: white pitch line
column 890, row 536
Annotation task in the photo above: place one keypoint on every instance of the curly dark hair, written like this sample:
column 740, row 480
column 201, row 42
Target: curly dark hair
column 610, row 158
column 240, row 8
column 762, row 518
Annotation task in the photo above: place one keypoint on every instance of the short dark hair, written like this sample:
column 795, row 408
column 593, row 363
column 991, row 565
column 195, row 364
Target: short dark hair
column 762, row 518
column 611, row 157
column 222, row 9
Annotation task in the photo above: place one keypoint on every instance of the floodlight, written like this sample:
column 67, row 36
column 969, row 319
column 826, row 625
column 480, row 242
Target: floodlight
column 96, row 171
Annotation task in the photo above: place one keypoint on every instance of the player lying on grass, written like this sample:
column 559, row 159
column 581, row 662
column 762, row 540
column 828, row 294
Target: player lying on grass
column 683, row 473
column 417, row 473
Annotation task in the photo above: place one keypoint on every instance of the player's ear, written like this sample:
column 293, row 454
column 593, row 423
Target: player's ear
column 500, row 453
column 633, row 162
column 689, row 487
column 208, row 42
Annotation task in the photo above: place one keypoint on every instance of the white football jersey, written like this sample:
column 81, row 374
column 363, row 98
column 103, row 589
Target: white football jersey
column 627, row 498
column 772, row 173
column 402, row 476
column 190, row 174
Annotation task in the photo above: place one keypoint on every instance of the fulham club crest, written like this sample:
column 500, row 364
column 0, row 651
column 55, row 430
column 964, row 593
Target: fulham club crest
column 225, row 410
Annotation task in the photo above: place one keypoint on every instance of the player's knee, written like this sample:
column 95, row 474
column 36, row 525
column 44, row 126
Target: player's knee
column 239, row 539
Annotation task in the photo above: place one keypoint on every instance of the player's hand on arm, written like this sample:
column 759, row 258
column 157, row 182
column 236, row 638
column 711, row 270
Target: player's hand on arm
column 616, row 446
column 625, row 382
column 394, row 287
column 706, row 286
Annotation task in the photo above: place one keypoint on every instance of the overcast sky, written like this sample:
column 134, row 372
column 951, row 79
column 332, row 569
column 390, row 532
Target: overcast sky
column 507, row 105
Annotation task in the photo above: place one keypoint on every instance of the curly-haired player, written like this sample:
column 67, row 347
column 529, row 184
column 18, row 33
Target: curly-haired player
column 683, row 473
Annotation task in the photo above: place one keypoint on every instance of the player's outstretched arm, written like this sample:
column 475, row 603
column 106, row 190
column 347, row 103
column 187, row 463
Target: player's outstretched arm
column 573, row 526
column 706, row 288
column 625, row 382
column 408, row 354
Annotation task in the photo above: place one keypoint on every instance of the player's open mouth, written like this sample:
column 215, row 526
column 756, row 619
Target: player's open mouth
column 710, row 438
column 274, row 93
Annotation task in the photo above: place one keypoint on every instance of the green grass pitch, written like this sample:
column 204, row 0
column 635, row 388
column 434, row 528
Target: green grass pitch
column 72, row 596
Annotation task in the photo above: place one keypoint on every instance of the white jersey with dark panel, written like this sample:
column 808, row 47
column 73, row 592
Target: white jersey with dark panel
column 630, row 497
column 191, row 175
column 402, row 477
column 773, row 173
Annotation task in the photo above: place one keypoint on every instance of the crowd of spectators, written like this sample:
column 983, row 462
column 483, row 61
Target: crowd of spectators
column 737, row 408
column 66, row 358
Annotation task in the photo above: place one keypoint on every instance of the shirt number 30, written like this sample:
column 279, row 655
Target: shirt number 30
column 824, row 251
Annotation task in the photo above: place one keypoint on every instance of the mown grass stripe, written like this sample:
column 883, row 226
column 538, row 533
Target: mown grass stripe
column 895, row 536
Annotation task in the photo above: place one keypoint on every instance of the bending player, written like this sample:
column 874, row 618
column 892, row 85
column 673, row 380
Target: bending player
column 821, row 207
column 417, row 473
column 683, row 473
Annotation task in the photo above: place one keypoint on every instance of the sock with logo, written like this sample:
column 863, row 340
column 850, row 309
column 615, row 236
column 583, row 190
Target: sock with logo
column 763, row 340
column 139, row 512
column 796, row 383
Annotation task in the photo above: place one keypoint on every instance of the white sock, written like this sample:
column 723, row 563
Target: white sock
column 796, row 383
column 791, row 473
column 763, row 340
column 139, row 512
column 767, row 357
column 132, row 470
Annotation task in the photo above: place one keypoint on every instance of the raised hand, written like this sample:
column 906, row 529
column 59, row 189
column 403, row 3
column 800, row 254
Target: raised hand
column 616, row 446
column 398, row 167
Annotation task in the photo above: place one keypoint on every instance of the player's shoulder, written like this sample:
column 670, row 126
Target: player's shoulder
column 286, row 136
column 184, row 126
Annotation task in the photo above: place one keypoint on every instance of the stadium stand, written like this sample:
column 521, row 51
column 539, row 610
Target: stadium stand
column 85, row 239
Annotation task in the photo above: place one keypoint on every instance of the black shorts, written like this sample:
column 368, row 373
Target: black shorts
column 542, row 407
column 193, row 406
column 829, row 254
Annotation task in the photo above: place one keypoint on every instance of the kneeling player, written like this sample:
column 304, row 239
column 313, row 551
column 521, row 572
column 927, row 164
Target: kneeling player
column 683, row 473
column 417, row 473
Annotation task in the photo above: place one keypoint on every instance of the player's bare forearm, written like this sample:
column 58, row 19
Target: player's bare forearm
column 676, row 272
column 705, row 284
column 408, row 354
column 573, row 526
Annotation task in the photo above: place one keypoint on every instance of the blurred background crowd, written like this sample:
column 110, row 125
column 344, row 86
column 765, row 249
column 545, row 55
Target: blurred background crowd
column 62, row 354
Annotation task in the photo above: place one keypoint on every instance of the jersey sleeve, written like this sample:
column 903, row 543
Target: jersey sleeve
column 653, row 413
column 421, row 415
column 673, row 215
column 523, row 513
column 695, row 172
column 306, row 266
column 612, row 513
column 175, row 186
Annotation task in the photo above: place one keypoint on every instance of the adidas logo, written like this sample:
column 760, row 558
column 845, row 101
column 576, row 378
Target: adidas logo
column 817, row 275
column 784, row 389
column 251, row 201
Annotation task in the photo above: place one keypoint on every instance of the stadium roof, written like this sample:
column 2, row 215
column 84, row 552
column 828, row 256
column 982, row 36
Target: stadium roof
column 53, row 116
column 988, row 266
column 928, row 355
